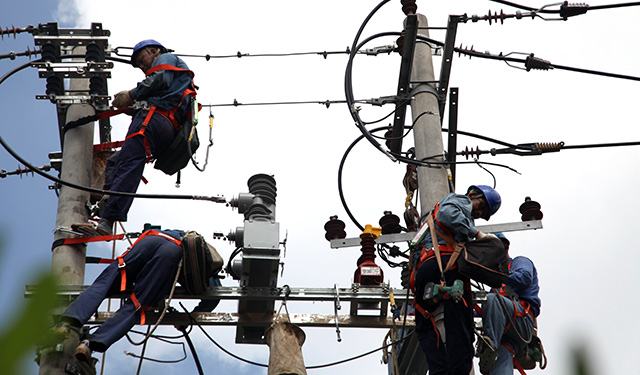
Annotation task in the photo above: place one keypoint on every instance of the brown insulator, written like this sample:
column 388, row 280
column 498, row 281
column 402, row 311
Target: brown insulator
column 390, row 223
column 530, row 210
column 409, row 7
column 334, row 229
column 387, row 136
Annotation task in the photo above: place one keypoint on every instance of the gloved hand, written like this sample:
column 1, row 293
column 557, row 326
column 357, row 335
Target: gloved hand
column 122, row 99
column 482, row 235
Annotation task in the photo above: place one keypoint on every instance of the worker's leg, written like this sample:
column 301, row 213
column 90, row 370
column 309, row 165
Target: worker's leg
column 430, row 339
column 153, row 280
column 80, row 310
column 458, row 321
column 504, row 362
column 128, row 169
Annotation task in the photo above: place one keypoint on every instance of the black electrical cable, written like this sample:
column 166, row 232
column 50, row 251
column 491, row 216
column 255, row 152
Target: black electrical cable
column 87, row 188
column 589, row 7
column 359, row 138
column 523, row 61
column 349, row 86
column 193, row 350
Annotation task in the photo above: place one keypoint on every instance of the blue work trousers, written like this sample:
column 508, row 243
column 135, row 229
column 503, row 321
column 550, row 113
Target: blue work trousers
column 151, row 267
column 125, row 174
column 495, row 320
column 456, row 356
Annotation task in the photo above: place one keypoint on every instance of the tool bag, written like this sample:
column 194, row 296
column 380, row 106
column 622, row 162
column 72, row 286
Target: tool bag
column 529, row 357
column 180, row 151
column 484, row 261
column 200, row 261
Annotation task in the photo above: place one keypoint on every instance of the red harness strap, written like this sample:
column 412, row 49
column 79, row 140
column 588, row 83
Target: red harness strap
column 516, row 364
column 138, row 306
column 168, row 114
column 122, row 264
column 143, row 127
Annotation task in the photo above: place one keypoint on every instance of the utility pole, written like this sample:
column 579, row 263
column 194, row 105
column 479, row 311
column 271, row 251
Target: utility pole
column 86, row 74
column 433, row 183
column 68, row 261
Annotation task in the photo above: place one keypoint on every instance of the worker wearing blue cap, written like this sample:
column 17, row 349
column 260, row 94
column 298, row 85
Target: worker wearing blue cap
column 162, row 100
column 452, row 351
column 508, row 316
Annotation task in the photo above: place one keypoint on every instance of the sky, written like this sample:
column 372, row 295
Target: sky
column 585, row 254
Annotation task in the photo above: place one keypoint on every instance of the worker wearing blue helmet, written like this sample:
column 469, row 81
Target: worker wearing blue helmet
column 162, row 102
column 509, row 317
column 450, row 351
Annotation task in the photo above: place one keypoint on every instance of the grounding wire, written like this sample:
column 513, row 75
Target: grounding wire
column 87, row 188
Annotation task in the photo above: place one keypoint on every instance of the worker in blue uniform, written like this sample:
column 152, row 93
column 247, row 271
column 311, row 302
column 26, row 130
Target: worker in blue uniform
column 167, row 91
column 454, row 215
column 149, row 269
column 508, row 316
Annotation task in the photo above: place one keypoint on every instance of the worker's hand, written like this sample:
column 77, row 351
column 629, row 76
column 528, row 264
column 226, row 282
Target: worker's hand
column 122, row 99
column 482, row 235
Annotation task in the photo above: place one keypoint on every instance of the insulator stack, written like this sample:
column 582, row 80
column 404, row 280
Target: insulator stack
column 387, row 135
column 97, row 85
column 50, row 52
column 390, row 223
column 549, row 146
column 368, row 272
column 461, row 50
column 264, row 186
column 470, row 152
column 14, row 30
column 536, row 63
column 530, row 210
column 334, row 229
column 94, row 53
column 409, row 7
column 55, row 86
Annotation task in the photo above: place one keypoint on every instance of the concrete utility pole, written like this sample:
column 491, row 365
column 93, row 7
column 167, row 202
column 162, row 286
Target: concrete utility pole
column 68, row 261
column 432, row 181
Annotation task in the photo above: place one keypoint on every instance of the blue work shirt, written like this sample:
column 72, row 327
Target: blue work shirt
column 455, row 214
column 164, row 88
column 523, row 280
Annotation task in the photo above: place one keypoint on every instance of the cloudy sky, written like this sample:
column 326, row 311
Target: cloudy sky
column 585, row 254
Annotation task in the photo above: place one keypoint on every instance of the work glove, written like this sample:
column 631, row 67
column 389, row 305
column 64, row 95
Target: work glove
column 122, row 99
column 482, row 235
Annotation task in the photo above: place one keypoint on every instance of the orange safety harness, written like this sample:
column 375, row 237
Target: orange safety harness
column 435, row 252
column 123, row 271
column 168, row 114
column 516, row 313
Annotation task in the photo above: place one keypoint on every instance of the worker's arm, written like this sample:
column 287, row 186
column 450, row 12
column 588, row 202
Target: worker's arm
column 521, row 273
column 156, row 82
column 455, row 214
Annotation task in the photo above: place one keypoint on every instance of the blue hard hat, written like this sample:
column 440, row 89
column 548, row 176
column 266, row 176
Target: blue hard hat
column 143, row 44
column 491, row 196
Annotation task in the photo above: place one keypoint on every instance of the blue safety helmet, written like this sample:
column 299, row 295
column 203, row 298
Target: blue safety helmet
column 142, row 45
column 491, row 196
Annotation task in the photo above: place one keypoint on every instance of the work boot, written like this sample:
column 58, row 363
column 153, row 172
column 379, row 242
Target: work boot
column 487, row 353
column 105, row 227
column 83, row 352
